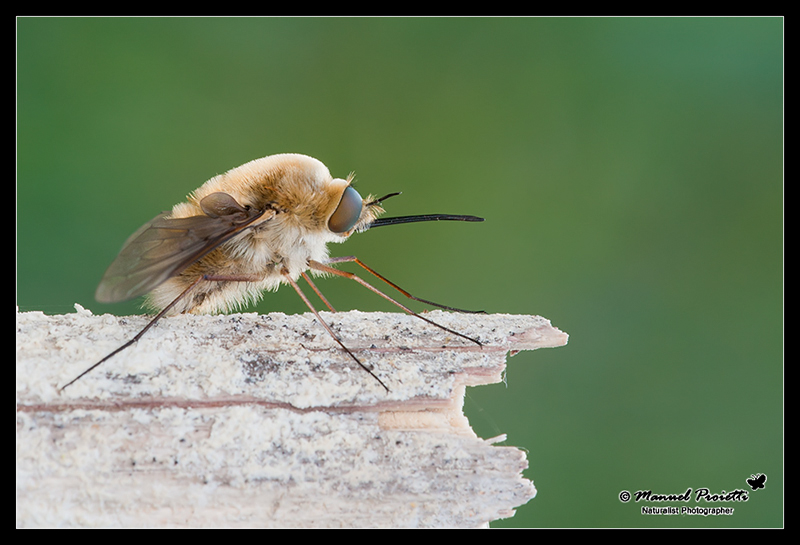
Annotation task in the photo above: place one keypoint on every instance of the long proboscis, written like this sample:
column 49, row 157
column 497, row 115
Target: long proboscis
column 414, row 219
column 425, row 217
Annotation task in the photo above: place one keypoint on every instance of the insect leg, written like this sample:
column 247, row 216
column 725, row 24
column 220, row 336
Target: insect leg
column 316, row 290
column 210, row 278
column 324, row 268
column 354, row 259
column 302, row 295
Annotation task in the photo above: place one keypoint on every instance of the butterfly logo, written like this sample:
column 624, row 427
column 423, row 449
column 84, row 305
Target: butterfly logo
column 757, row 481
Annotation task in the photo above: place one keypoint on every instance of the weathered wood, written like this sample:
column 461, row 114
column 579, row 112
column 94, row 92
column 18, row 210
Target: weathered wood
column 252, row 420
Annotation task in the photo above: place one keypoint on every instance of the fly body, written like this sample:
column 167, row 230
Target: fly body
column 247, row 231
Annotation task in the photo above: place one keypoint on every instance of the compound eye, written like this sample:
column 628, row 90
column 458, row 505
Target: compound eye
column 347, row 213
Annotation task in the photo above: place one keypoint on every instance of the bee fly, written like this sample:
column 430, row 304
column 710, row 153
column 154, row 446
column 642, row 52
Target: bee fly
column 248, row 230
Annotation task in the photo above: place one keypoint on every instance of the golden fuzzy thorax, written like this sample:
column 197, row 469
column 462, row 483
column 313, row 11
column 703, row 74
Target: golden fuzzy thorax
column 298, row 196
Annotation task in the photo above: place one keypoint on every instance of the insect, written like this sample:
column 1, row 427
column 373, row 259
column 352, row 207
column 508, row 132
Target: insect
column 757, row 481
column 247, row 231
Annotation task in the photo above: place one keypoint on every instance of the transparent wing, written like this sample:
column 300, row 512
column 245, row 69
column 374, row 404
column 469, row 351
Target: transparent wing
column 163, row 247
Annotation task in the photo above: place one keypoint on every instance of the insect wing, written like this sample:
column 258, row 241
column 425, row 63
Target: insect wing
column 165, row 246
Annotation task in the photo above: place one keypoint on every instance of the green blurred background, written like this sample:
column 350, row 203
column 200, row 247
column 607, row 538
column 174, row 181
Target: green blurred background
column 630, row 172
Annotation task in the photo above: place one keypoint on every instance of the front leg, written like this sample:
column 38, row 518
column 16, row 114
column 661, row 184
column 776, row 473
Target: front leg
column 317, row 266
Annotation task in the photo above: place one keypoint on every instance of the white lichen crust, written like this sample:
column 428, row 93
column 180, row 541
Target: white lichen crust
column 262, row 421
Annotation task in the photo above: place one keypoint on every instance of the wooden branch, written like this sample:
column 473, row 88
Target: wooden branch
column 252, row 420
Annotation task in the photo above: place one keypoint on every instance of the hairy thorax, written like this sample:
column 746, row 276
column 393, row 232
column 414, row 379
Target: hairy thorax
column 244, row 268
